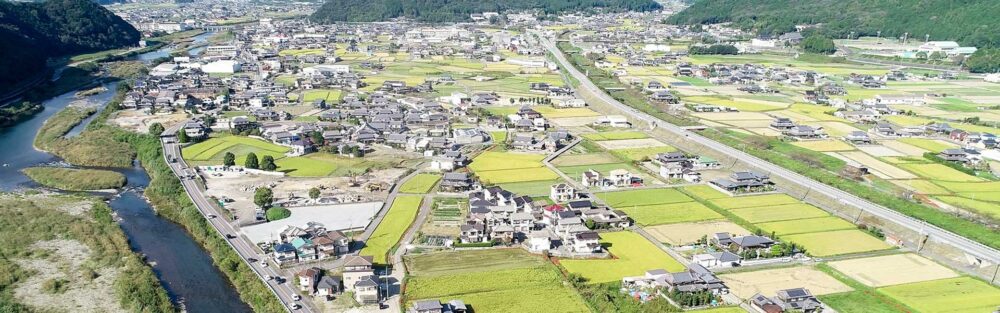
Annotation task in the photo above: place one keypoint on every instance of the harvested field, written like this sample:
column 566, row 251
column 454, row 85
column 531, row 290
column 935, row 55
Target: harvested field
column 894, row 269
column 824, row 145
column 883, row 169
column 585, row 159
column 880, row 151
column 754, row 201
column 809, row 225
column 953, row 295
column 669, row 213
column 615, row 135
column 767, row 282
column 630, row 143
column 903, row 147
column 784, row 212
column 686, row 233
column 837, row 242
column 573, row 121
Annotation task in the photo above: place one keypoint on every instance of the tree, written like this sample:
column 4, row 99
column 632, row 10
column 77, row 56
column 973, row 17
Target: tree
column 986, row 60
column 937, row 55
column 818, row 44
column 263, row 197
column 229, row 159
column 267, row 163
column 182, row 136
column 156, row 129
column 590, row 223
column 251, row 161
column 317, row 138
column 313, row 193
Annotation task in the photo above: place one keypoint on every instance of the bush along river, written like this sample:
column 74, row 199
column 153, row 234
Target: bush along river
column 184, row 269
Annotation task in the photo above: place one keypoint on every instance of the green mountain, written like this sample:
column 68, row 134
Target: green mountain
column 970, row 22
column 459, row 10
column 32, row 32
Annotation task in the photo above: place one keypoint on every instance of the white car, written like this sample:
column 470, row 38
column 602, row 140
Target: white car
column 295, row 306
column 296, row 297
column 263, row 263
column 211, row 216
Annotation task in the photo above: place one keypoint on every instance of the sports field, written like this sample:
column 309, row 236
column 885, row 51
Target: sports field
column 767, row 282
column 782, row 212
column 892, row 269
column 634, row 255
column 391, row 229
column 487, row 280
column 507, row 167
column 837, row 242
column 420, row 183
column 953, row 295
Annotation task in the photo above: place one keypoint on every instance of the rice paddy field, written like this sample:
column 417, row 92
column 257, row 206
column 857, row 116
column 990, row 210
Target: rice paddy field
column 615, row 135
column 213, row 150
column 508, row 167
column 837, row 242
column 687, row 233
column 487, row 280
column 641, row 154
column 767, row 282
column 401, row 214
column 420, row 183
column 959, row 295
column 893, row 269
column 658, row 206
column 634, row 255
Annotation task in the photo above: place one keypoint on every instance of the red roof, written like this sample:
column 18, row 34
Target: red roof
column 554, row 207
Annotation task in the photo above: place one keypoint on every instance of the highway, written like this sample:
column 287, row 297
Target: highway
column 284, row 290
column 967, row 245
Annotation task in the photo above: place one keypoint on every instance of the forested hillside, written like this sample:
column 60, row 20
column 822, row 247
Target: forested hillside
column 458, row 10
column 30, row 33
column 970, row 22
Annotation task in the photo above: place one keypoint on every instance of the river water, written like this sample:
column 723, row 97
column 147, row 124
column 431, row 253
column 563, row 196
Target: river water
column 184, row 269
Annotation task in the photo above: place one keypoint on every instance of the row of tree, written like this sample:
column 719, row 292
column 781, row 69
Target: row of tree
column 460, row 10
column 266, row 163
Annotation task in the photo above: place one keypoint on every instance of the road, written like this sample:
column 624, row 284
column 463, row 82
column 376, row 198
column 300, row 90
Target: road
column 284, row 291
column 967, row 245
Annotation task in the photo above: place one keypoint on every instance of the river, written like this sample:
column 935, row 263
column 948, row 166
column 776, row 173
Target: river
column 182, row 266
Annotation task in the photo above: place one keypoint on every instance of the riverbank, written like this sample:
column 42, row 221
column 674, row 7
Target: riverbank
column 90, row 267
column 92, row 148
column 75, row 179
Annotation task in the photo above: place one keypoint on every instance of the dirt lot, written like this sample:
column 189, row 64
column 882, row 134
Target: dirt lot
column 65, row 263
column 893, row 270
column 630, row 143
column 290, row 191
column 767, row 282
column 137, row 121
column 685, row 233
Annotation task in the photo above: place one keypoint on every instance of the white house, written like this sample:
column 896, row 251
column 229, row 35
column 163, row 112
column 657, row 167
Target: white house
column 221, row 67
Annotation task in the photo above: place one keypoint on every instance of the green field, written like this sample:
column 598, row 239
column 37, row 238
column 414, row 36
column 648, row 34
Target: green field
column 927, row 144
column 669, row 213
column 585, row 159
column 213, row 150
column 530, row 188
column 641, row 154
column 809, row 225
column 982, row 207
column 837, row 242
column 298, row 52
column 615, row 135
column 634, row 256
column 704, row 192
column 641, row 197
column 859, row 302
column 965, row 187
column 330, row 95
column 754, row 201
column 503, row 167
column 956, row 295
column 939, row 172
column 391, row 229
column 488, row 280
column 420, row 183
column 782, row 212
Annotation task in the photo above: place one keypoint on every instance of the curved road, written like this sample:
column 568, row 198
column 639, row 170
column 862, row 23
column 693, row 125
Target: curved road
column 965, row 244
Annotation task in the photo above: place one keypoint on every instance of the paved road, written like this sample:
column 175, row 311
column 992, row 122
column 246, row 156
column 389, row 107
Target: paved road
column 284, row 291
column 965, row 244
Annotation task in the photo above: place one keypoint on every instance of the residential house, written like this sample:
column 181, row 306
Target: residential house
column 788, row 300
column 562, row 192
column 746, row 181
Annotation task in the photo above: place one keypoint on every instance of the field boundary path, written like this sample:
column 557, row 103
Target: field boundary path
column 968, row 246
column 242, row 246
